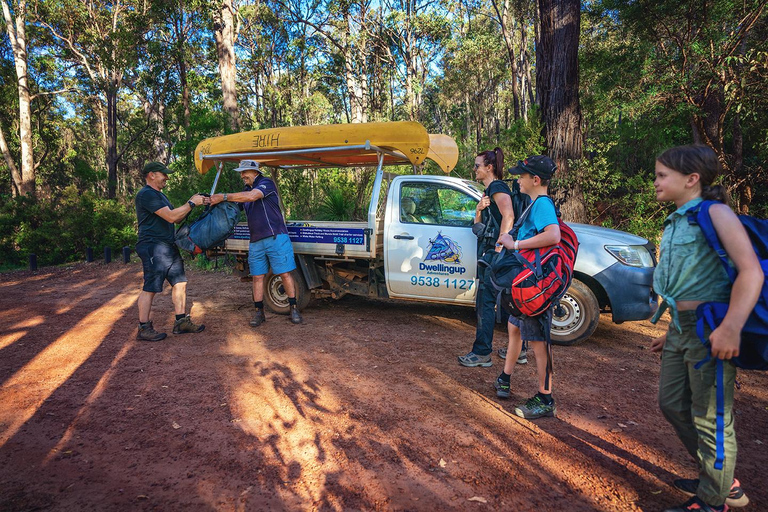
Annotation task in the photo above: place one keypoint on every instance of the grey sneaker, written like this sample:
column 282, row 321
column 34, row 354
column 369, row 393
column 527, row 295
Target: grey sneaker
column 148, row 333
column 521, row 359
column 258, row 318
column 295, row 315
column 185, row 325
column 736, row 498
column 472, row 359
column 535, row 408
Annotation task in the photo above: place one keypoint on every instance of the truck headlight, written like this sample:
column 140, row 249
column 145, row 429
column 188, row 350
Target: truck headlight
column 632, row 255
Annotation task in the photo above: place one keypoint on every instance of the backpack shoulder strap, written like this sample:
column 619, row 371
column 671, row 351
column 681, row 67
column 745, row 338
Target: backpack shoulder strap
column 699, row 215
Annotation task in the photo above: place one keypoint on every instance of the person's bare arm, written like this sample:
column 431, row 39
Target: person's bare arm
column 550, row 236
column 178, row 214
column 239, row 197
column 746, row 289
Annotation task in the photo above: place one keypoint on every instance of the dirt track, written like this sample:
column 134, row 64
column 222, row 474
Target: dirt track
column 363, row 407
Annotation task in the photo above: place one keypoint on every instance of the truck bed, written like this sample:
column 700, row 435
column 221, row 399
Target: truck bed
column 321, row 238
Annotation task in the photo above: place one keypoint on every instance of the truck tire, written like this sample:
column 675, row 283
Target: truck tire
column 275, row 297
column 580, row 315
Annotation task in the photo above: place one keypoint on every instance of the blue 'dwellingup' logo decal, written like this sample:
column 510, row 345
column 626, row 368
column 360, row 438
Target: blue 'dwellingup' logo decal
column 442, row 248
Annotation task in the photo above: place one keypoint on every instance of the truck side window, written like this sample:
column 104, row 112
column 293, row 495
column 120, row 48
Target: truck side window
column 407, row 210
column 429, row 203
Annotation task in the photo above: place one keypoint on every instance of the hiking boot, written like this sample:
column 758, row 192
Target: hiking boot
column 295, row 315
column 535, row 408
column 258, row 318
column 472, row 359
column 501, row 387
column 185, row 325
column 696, row 505
column 736, row 498
column 521, row 359
column 148, row 333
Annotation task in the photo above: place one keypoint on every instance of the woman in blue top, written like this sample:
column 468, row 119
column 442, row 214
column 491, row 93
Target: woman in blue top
column 688, row 274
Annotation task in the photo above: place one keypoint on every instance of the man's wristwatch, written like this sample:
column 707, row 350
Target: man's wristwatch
column 191, row 204
column 225, row 198
column 517, row 245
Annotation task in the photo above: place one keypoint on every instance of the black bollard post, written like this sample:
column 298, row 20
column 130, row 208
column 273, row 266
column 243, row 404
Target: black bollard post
column 107, row 254
column 33, row 261
column 89, row 254
column 126, row 254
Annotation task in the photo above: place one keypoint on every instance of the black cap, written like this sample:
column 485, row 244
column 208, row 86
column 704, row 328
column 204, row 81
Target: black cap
column 539, row 165
column 156, row 167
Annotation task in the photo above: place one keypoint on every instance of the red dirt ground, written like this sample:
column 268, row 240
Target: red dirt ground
column 363, row 407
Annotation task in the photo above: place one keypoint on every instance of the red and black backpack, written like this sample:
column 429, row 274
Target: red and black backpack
column 531, row 281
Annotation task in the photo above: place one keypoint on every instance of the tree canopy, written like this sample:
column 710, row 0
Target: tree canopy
column 94, row 89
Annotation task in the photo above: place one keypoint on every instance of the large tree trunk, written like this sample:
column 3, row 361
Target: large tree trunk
column 17, row 35
column 224, row 33
column 557, row 90
column 112, row 140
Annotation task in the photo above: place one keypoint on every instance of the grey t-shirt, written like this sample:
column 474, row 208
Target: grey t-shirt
column 152, row 227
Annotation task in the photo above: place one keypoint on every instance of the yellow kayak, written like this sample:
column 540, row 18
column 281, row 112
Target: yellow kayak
column 342, row 145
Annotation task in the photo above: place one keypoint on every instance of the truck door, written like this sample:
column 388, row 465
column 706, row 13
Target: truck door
column 430, row 250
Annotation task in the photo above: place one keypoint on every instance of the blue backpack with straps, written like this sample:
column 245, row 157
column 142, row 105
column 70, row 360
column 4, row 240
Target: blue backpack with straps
column 753, row 351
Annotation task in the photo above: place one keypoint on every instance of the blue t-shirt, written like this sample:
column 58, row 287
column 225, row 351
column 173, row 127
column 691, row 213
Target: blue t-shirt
column 152, row 227
column 542, row 214
column 264, row 216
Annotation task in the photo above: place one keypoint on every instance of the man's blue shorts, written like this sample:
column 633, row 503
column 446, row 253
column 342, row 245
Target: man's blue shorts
column 275, row 252
column 160, row 261
column 530, row 327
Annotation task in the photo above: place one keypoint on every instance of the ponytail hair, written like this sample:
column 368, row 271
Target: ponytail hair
column 495, row 159
column 697, row 159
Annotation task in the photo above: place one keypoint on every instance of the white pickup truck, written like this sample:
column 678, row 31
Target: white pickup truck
column 417, row 243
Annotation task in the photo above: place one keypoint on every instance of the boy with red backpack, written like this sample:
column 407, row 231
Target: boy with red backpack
column 540, row 228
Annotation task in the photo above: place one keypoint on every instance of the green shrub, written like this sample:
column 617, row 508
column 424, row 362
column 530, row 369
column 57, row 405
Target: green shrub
column 59, row 229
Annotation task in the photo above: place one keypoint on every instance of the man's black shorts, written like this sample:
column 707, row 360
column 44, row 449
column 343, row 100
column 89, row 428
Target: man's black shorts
column 161, row 261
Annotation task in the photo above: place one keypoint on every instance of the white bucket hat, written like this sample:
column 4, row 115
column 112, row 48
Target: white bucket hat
column 248, row 165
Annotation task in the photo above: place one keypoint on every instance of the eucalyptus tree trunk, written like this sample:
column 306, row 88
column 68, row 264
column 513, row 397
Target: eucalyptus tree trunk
column 507, row 22
column 112, row 157
column 24, row 182
column 15, row 174
column 225, row 33
column 557, row 89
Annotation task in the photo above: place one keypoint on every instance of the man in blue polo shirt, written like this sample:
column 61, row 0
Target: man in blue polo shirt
column 270, row 244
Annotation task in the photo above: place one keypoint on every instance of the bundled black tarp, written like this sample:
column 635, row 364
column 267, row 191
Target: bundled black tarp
column 211, row 229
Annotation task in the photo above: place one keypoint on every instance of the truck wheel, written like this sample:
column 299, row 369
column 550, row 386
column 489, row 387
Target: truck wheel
column 579, row 315
column 275, row 297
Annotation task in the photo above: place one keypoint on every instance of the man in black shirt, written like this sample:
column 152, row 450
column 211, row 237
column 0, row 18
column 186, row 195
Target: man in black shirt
column 158, row 252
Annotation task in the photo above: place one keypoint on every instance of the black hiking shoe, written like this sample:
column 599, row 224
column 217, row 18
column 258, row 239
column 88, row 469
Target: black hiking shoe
column 696, row 505
column 534, row 408
column 501, row 387
column 185, row 325
column 148, row 333
column 736, row 498
column 295, row 315
column 258, row 318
